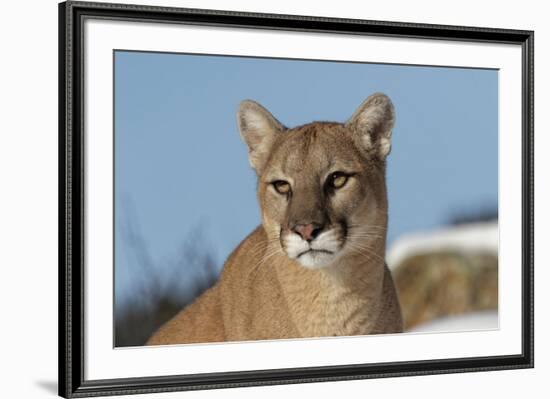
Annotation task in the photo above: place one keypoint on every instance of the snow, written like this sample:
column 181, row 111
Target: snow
column 486, row 320
column 474, row 237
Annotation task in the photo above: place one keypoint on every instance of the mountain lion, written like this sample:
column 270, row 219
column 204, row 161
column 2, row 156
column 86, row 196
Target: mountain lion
column 315, row 266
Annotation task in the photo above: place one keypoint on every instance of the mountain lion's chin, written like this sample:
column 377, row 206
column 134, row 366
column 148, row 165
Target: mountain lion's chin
column 314, row 259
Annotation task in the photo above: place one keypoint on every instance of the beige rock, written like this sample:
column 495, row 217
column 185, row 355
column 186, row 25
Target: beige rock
column 433, row 285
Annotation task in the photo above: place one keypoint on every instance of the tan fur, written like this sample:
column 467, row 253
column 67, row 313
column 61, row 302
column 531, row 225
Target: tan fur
column 266, row 291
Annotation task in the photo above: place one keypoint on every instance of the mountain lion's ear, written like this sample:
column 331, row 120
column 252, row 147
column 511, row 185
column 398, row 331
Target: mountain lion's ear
column 258, row 129
column 372, row 123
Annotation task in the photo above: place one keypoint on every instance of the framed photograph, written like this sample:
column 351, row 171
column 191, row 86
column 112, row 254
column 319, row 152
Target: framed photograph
column 254, row 199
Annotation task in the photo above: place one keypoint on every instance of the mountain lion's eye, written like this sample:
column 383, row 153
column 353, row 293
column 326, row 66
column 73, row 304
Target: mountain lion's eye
column 281, row 186
column 338, row 180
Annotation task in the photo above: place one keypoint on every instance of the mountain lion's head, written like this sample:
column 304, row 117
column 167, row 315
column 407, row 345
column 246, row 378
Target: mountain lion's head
column 321, row 186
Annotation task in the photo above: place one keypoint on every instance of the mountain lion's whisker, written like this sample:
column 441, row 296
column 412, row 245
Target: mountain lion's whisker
column 265, row 258
column 369, row 250
column 365, row 234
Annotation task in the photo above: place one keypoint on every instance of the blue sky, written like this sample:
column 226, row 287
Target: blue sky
column 180, row 165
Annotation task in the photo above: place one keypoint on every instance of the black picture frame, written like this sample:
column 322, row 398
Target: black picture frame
column 71, row 200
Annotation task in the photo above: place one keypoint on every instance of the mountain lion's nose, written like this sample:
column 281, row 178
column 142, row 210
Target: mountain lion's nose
column 308, row 231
